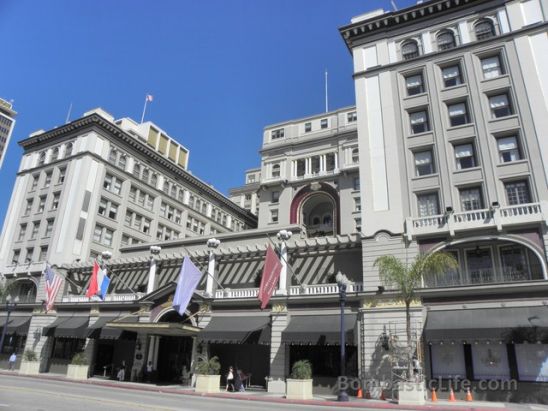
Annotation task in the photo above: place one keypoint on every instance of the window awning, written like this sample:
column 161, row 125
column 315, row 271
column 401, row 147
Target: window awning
column 167, row 329
column 71, row 327
column 319, row 329
column 237, row 330
column 16, row 325
column 514, row 324
column 100, row 330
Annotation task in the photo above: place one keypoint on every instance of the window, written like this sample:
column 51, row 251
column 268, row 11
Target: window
column 357, row 204
column 480, row 265
column 34, row 182
column 68, row 149
column 61, row 176
column 250, row 178
column 451, row 75
column 153, row 179
column 315, row 164
column 15, row 257
column 122, row 161
column 43, row 253
column 330, row 161
column 414, row 84
column 274, row 216
column 508, row 149
column 470, row 199
column 137, row 170
column 35, row 229
column 517, row 192
column 484, row 29
column 355, row 156
column 324, row 123
column 356, row 183
column 28, row 206
column 307, row 127
column 351, row 117
column 108, row 209
column 491, row 67
column 446, row 40
column 112, row 184
column 465, row 156
column 275, row 196
column 410, row 50
column 112, row 156
column 28, row 258
column 41, row 204
column 275, row 170
column 419, row 122
column 22, row 232
column 103, row 235
column 42, row 158
column 55, row 201
column 301, row 167
column 47, row 181
column 500, row 105
column 424, row 163
column 428, row 204
column 276, row 134
column 458, row 114
column 55, row 154
column 49, row 228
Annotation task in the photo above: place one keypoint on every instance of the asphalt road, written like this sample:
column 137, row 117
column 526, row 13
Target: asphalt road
column 29, row 394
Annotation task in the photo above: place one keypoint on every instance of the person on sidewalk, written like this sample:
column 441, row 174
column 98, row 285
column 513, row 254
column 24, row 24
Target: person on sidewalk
column 122, row 372
column 238, row 383
column 149, row 371
column 11, row 361
column 230, row 378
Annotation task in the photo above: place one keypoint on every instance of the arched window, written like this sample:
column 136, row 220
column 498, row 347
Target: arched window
column 122, row 162
column 112, row 156
column 68, row 149
column 327, row 220
column 484, row 29
column 153, row 179
column 137, row 170
column 410, row 50
column 446, row 40
column 275, row 170
column 355, row 156
column 42, row 158
column 55, row 154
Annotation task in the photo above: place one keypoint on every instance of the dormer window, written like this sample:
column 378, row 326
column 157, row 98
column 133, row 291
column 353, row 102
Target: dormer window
column 276, row 134
column 410, row 50
column 446, row 40
column 484, row 29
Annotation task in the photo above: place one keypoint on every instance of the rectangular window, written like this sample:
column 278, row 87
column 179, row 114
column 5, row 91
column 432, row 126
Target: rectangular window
column 356, row 183
column 301, row 167
column 22, row 232
column 275, row 170
column 273, row 216
column 500, row 105
column 15, row 257
column 517, row 192
column 508, row 149
column 491, row 67
column 351, row 117
column 324, row 123
column 470, row 199
column 357, row 204
column 49, row 228
column 428, row 204
column 61, row 176
column 41, row 204
column 34, row 182
column 112, row 184
column 43, row 253
column 35, row 229
column 47, row 181
column 414, row 84
column 28, row 206
column 103, row 235
column 451, row 76
column 464, row 156
column 108, row 209
column 55, row 201
column 419, row 122
column 275, row 196
column 514, row 263
column 276, row 134
column 28, row 258
column 424, row 163
column 531, row 359
column 458, row 114
column 480, row 265
column 307, row 127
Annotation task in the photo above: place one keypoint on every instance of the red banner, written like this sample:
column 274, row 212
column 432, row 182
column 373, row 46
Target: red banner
column 271, row 275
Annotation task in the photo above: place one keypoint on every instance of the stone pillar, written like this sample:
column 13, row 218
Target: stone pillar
column 151, row 284
column 283, row 236
column 276, row 380
column 212, row 244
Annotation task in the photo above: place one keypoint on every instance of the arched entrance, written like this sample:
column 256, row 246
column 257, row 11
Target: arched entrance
column 316, row 206
column 173, row 353
column 24, row 289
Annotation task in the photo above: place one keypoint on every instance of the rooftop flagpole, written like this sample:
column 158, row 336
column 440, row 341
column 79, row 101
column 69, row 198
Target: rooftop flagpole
column 326, row 95
column 148, row 98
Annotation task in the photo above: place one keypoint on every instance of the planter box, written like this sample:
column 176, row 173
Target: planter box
column 29, row 367
column 208, row 383
column 411, row 393
column 77, row 372
column 298, row 389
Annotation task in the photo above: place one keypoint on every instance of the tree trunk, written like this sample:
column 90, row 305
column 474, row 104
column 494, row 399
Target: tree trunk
column 409, row 342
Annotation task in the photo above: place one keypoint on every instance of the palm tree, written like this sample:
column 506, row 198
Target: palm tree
column 407, row 278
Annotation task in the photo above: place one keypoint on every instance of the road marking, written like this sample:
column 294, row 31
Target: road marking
column 83, row 397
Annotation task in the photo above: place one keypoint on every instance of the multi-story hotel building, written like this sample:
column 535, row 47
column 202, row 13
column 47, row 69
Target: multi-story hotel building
column 7, row 123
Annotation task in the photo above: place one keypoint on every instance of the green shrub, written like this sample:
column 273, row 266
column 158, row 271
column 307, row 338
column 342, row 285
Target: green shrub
column 208, row 367
column 30, row 355
column 79, row 359
column 301, row 370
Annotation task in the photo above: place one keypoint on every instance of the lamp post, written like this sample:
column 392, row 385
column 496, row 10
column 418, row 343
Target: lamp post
column 212, row 244
column 342, row 282
column 154, row 251
column 9, row 308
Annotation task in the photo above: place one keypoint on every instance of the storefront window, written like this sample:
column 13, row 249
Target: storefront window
column 65, row 348
column 448, row 361
column 490, row 362
column 532, row 362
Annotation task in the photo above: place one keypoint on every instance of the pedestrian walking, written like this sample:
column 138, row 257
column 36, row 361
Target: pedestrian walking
column 230, row 378
column 12, row 360
column 122, row 372
column 149, row 371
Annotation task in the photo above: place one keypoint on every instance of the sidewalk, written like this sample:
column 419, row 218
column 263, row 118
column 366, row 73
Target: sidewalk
column 263, row 396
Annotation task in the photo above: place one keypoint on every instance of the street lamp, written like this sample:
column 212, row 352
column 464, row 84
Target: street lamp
column 342, row 282
column 9, row 308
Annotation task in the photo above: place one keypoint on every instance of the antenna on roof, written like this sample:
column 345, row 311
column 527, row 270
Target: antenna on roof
column 394, row 6
column 326, row 96
column 67, row 120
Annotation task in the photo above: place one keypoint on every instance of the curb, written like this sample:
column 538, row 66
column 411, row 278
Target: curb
column 376, row 404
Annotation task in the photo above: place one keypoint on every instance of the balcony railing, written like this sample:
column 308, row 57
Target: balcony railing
column 480, row 276
column 111, row 297
column 491, row 217
column 316, row 289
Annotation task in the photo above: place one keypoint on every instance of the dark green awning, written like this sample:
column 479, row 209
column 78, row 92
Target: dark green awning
column 70, row 327
column 237, row 330
column 16, row 325
column 319, row 329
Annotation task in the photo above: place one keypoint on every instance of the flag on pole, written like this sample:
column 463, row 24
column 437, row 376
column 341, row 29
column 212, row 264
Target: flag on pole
column 149, row 97
column 189, row 277
column 102, row 283
column 270, row 277
column 92, row 287
column 53, row 284
column 99, row 282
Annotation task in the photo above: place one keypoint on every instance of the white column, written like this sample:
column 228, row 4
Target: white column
column 151, row 285
column 212, row 243
column 336, row 160
column 308, row 166
column 283, row 236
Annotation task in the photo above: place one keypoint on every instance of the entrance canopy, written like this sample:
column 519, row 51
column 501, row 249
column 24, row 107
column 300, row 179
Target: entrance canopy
column 70, row 327
column 167, row 329
column 237, row 330
column 507, row 324
column 319, row 329
column 16, row 325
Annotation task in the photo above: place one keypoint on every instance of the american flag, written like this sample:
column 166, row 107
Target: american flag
column 53, row 283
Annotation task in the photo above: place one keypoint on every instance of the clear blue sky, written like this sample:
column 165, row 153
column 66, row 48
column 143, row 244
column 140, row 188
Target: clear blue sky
column 219, row 70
